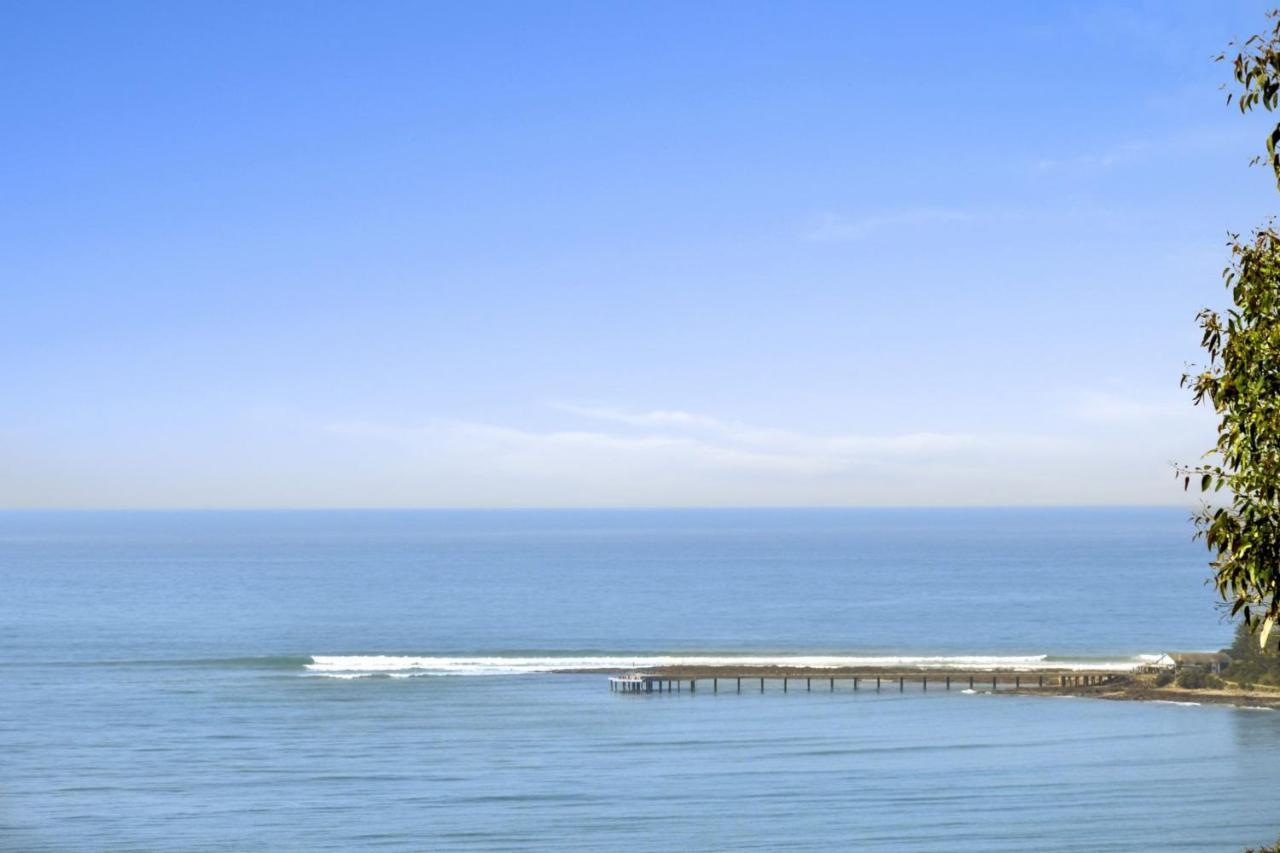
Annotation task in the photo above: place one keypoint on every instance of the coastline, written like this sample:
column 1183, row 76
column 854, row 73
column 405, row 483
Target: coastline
column 1138, row 689
column 1111, row 685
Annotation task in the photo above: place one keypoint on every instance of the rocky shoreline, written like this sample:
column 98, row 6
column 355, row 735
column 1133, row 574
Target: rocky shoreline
column 1144, row 689
column 1108, row 685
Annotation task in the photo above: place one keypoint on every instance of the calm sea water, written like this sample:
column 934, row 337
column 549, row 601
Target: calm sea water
column 344, row 681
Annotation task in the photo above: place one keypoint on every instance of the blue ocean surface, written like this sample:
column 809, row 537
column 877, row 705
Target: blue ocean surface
column 378, row 680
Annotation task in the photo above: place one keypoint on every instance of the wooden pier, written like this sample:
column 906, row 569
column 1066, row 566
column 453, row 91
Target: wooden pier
column 677, row 680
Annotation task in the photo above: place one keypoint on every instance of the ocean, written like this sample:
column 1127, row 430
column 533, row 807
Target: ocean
column 240, row 681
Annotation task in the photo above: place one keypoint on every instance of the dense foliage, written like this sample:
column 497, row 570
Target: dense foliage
column 1194, row 678
column 1251, row 664
column 1242, row 383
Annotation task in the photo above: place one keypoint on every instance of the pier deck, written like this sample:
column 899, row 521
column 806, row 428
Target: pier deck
column 716, row 679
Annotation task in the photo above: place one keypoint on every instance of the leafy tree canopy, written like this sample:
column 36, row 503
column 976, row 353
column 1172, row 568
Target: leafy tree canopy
column 1241, row 381
column 1252, row 663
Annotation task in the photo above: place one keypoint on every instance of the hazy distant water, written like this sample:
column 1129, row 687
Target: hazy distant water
column 156, row 693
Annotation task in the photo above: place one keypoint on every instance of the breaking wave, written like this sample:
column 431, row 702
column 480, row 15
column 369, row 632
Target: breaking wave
column 406, row 666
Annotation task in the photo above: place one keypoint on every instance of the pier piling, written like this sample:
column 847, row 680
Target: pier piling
column 670, row 679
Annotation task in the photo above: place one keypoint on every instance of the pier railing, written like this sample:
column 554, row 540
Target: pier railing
column 878, row 680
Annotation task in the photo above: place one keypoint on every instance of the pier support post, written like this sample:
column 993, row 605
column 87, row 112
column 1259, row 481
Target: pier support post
column 901, row 684
column 855, row 684
column 715, row 685
column 971, row 682
column 762, row 685
column 877, row 684
column 808, row 685
column 1041, row 684
column 1017, row 682
column 739, row 684
column 833, row 685
column 993, row 683
column 924, row 680
column 948, row 682
column 693, row 685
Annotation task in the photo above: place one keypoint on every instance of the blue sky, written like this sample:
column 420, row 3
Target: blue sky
column 592, row 254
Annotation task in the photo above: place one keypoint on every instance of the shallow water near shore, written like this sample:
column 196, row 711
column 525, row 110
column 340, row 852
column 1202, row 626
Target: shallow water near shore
column 166, row 685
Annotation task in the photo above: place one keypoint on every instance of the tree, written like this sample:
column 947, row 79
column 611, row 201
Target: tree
column 1251, row 663
column 1241, row 381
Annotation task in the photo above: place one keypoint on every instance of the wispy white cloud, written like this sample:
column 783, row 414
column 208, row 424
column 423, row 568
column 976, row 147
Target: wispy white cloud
column 656, row 418
column 1107, row 408
column 736, row 433
column 623, row 457
column 1133, row 152
column 833, row 227
column 1091, row 446
column 1103, row 407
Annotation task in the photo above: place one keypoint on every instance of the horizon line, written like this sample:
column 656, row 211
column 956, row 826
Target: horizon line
column 573, row 508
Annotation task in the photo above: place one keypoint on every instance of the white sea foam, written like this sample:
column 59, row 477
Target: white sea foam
column 404, row 666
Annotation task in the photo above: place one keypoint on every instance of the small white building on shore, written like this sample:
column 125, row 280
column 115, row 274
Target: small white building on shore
column 1213, row 662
